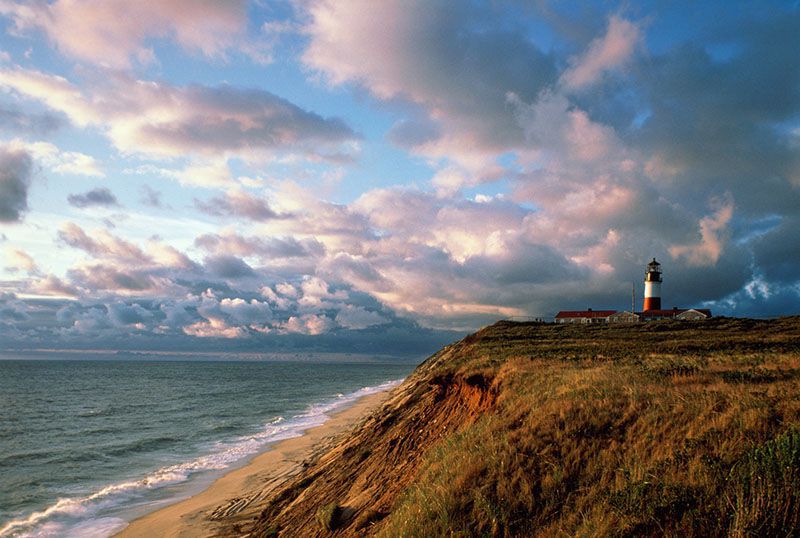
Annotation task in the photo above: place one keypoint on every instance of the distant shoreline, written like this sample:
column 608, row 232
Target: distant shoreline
column 239, row 494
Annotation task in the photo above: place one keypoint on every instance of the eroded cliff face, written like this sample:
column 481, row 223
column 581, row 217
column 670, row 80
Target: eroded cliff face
column 365, row 472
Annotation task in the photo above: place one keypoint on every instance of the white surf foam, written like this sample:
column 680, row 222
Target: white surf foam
column 82, row 516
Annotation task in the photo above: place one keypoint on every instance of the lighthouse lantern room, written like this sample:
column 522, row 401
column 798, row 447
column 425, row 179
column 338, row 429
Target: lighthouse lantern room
column 652, row 286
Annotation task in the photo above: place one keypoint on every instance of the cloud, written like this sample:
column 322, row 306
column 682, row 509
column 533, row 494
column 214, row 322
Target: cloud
column 128, row 314
column 59, row 161
column 101, row 244
column 12, row 310
column 412, row 133
column 159, row 119
column 100, row 196
column 209, row 174
column 54, row 286
column 311, row 324
column 151, row 197
column 226, row 266
column 356, row 317
column 609, row 52
column 269, row 248
column 108, row 277
column 455, row 62
column 16, row 170
column 246, row 312
column 19, row 122
column 607, row 141
column 118, row 33
column 776, row 252
column 238, row 203
column 214, row 329
column 713, row 231
column 19, row 260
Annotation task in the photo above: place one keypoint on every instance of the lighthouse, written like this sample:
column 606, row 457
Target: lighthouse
column 652, row 286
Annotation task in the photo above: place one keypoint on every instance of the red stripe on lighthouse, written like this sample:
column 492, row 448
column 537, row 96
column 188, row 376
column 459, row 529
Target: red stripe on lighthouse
column 652, row 303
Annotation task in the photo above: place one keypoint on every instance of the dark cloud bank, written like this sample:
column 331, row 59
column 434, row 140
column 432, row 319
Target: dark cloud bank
column 16, row 168
column 151, row 326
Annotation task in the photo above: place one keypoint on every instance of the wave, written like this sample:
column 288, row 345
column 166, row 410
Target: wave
column 76, row 516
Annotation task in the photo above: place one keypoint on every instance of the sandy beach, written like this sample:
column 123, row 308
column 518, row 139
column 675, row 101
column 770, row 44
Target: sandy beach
column 236, row 496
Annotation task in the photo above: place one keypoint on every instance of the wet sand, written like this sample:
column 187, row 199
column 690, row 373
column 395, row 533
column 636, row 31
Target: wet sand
column 237, row 496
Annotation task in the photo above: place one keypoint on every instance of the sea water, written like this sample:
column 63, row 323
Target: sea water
column 87, row 445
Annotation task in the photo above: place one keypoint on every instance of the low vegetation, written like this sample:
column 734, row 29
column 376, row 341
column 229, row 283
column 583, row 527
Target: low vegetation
column 328, row 516
column 523, row 429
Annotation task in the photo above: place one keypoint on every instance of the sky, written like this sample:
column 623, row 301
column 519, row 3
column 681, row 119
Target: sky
column 381, row 176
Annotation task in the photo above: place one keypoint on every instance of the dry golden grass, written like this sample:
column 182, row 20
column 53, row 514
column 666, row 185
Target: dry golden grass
column 597, row 432
column 524, row 429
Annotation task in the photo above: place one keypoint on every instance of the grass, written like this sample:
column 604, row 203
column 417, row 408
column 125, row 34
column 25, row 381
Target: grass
column 618, row 437
column 526, row 429
column 765, row 489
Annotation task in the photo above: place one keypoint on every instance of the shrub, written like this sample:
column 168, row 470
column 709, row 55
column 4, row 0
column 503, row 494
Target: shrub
column 753, row 375
column 673, row 366
column 653, row 505
column 764, row 489
column 328, row 516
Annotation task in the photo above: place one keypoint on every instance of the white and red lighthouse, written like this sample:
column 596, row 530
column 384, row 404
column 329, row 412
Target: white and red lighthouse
column 652, row 286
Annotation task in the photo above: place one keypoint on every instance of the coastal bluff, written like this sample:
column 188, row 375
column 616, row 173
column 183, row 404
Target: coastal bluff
column 534, row 429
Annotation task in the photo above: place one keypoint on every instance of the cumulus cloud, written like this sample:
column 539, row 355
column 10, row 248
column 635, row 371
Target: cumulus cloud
column 208, row 174
column 214, row 329
column 456, row 62
column 604, row 154
column 59, row 161
column 605, row 53
column 12, row 310
column 312, row 324
column 118, row 33
column 16, row 170
column 357, row 317
column 713, row 231
column 246, row 312
column 128, row 314
column 159, row 119
column 101, row 196
column 226, row 266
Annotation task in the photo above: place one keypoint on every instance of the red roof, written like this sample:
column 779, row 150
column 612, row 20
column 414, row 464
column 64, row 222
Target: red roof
column 585, row 313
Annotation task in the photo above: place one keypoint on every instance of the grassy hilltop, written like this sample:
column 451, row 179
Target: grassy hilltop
column 525, row 429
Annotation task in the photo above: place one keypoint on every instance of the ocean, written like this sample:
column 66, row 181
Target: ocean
column 87, row 445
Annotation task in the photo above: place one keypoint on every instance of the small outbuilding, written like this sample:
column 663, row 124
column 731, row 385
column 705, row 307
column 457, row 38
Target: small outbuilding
column 694, row 314
column 623, row 317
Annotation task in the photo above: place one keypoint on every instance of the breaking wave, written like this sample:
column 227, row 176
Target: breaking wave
column 84, row 516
